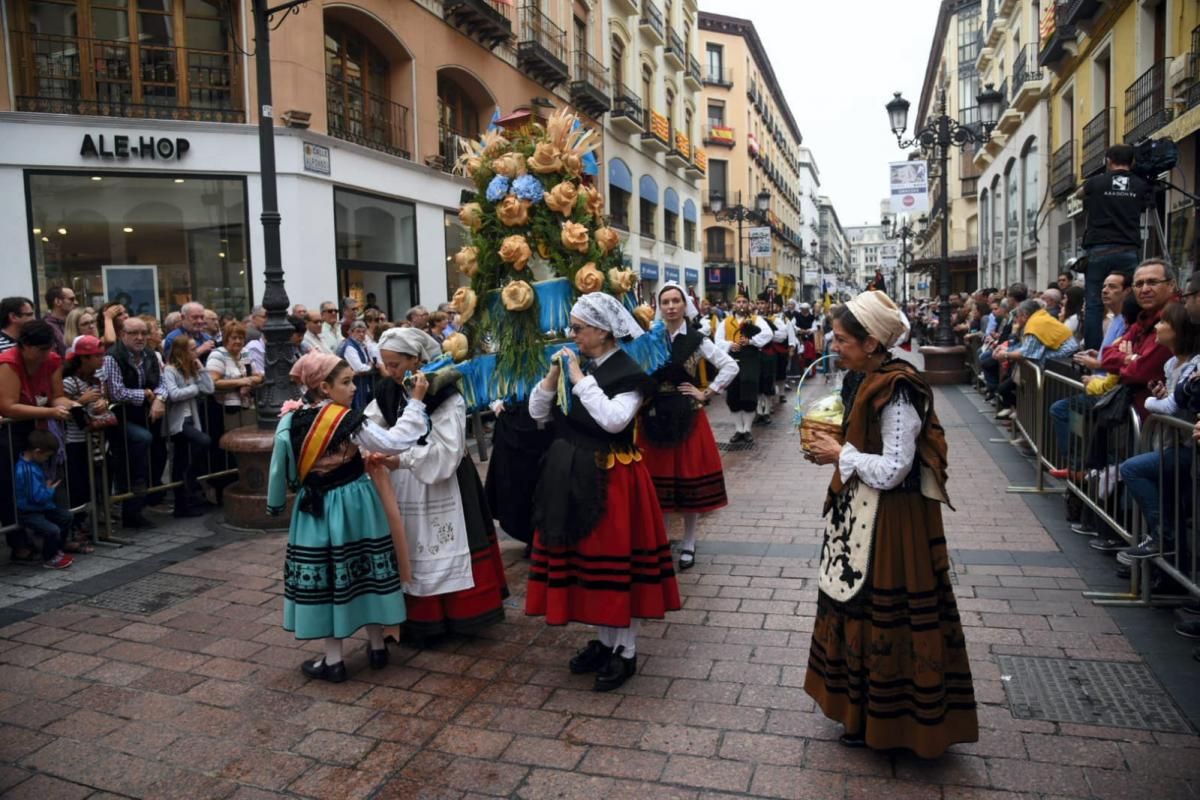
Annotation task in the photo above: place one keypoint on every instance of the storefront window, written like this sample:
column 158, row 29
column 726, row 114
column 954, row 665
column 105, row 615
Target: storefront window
column 457, row 238
column 376, row 250
column 152, row 242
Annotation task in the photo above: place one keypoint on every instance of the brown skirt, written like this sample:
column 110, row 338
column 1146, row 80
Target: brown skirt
column 891, row 664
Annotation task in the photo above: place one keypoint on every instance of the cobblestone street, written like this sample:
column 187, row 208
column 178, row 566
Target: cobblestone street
column 105, row 696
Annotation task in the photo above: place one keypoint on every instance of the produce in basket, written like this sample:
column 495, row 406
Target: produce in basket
column 823, row 415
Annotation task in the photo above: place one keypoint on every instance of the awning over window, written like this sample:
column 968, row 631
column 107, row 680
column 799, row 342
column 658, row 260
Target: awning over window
column 619, row 175
column 689, row 211
column 671, row 200
column 648, row 189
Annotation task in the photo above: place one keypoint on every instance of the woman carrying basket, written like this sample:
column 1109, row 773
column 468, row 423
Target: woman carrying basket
column 675, row 438
column 888, row 659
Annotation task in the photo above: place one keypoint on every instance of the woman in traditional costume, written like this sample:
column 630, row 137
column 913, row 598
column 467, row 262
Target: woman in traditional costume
column 674, row 436
column 341, row 571
column 888, row 659
column 518, row 444
column 458, row 583
column 600, row 552
column 743, row 335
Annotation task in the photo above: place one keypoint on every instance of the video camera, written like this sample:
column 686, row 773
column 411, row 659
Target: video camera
column 1153, row 157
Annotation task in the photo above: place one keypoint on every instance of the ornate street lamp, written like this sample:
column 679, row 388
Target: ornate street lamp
column 904, row 232
column 935, row 140
column 740, row 213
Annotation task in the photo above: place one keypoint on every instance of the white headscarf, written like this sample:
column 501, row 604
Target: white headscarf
column 876, row 312
column 410, row 342
column 605, row 312
column 689, row 310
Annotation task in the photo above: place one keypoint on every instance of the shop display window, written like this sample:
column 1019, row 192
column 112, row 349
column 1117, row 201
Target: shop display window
column 376, row 250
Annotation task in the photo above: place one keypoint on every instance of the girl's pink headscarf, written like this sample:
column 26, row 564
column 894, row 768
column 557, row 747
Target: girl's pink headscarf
column 313, row 368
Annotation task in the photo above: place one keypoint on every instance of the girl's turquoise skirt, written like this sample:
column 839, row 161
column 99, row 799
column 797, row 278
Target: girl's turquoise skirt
column 340, row 570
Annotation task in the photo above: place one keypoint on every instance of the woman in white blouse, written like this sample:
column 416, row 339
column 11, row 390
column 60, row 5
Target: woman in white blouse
column 888, row 659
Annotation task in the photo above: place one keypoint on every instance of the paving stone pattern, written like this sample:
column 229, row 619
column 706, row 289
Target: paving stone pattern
column 203, row 699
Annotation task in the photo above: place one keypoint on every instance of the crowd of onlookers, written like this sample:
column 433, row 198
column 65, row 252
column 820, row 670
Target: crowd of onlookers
column 163, row 392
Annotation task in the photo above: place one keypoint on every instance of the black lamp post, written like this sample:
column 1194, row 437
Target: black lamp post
column 935, row 139
column 741, row 213
column 904, row 232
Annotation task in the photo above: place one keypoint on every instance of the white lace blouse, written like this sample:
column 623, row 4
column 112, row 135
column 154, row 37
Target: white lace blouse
column 900, row 425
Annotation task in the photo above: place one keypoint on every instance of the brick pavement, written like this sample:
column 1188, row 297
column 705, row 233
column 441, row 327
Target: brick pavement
column 204, row 699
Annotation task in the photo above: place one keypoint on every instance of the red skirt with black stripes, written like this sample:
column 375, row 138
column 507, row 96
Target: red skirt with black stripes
column 688, row 477
column 620, row 572
column 467, row 610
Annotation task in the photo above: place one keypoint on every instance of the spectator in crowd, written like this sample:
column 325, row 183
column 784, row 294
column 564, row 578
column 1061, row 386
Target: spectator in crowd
column 995, row 318
column 185, row 381
column 1072, row 309
column 80, row 322
column 36, row 507
column 451, row 326
column 172, row 321
column 372, row 304
column 60, row 301
column 989, row 365
column 1139, row 359
column 349, row 315
column 353, row 350
column 1065, row 281
column 194, row 324
column 438, row 322
column 418, row 317
column 81, row 383
column 256, row 323
column 1114, row 202
column 1043, row 337
column 1141, row 473
column 300, row 310
column 154, row 336
column 14, row 312
column 331, row 329
column 234, row 381
column 214, row 323
column 1052, row 301
column 375, row 327
column 313, row 340
column 132, row 377
column 114, row 315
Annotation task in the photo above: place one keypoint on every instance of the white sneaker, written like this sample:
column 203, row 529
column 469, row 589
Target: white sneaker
column 1108, row 480
column 1005, row 413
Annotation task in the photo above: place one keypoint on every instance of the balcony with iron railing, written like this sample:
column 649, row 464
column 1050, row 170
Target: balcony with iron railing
column 656, row 131
column 365, row 118
column 1062, row 170
column 589, row 85
column 1079, row 12
column 450, row 145
column 1058, row 35
column 651, row 22
column 541, row 48
column 1192, row 97
column 720, row 134
column 692, row 76
column 1146, row 107
column 1025, row 71
column 101, row 77
column 718, row 76
column 626, row 109
column 488, row 22
column 674, row 53
column 1097, row 136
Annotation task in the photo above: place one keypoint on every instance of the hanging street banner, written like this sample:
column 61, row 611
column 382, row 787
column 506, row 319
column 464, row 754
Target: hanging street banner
column 889, row 255
column 909, row 182
column 760, row 242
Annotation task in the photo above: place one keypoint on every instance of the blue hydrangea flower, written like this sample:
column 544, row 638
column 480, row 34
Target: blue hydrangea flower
column 528, row 188
column 497, row 189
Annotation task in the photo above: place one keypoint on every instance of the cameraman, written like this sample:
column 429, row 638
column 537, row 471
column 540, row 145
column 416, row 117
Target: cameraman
column 1114, row 202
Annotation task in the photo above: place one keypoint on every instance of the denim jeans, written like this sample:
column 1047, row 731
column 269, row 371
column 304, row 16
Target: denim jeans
column 1100, row 267
column 52, row 524
column 1141, row 474
column 1060, row 420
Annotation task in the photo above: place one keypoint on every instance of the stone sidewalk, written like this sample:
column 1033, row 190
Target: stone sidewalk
column 202, row 698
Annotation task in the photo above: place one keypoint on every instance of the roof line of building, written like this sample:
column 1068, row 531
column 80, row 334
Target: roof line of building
column 947, row 9
column 719, row 23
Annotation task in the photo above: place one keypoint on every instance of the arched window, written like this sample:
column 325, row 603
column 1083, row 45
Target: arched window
column 1029, row 165
column 647, row 94
column 620, row 189
column 670, row 108
column 997, row 220
column 356, row 86
column 1012, row 210
column 618, row 62
column 985, row 226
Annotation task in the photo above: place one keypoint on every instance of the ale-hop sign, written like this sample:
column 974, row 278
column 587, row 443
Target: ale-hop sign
column 909, row 182
column 760, row 242
column 122, row 146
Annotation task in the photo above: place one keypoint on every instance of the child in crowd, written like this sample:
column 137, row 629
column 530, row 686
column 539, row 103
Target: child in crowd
column 36, row 507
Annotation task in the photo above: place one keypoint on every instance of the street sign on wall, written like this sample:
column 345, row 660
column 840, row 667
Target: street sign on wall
column 909, row 182
column 760, row 242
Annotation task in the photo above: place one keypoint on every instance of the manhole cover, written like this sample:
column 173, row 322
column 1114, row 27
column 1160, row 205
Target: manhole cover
column 1112, row 693
column 152, row 593
column 734, row 447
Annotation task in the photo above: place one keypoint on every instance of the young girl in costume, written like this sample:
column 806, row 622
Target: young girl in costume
column 341, row 571
column 457, row 583
column 675, row 438
column 600, row 553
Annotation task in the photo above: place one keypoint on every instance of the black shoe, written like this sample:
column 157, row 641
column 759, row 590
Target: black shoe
column 737, row 437
column 135, row 522
column 687, row 559
column 591, row 658
column 378, row 659
column 614, row 674
column 1106, row 544
column 1189, row 629
column 852, row 740
column 748, row 437
column 318, row 669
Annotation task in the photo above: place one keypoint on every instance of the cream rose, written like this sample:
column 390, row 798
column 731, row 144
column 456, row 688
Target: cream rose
column 595, row 202
column 517, row 296
column 562, row 198
column 575, row 237
column 467, row 260
column 510, row 165
column 513, row 212
column 607, row 238
column 589, row 279
column 471, row 215
column 515, row 250
column 456, row 345
column 573, row 164
column 622, row 280
column 546, row 158
column 644, row 314
column 463, row 302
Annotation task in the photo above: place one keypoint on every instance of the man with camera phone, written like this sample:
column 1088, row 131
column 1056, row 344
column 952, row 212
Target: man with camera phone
column 1114, row 201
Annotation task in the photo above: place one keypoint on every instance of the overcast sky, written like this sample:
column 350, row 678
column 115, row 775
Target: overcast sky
column 838, row 64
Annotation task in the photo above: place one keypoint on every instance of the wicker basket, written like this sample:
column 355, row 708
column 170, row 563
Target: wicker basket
column 810, row 428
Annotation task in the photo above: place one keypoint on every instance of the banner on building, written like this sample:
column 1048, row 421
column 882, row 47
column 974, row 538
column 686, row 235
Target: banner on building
column 760, row 242
column 909, row 182
column 889, row 255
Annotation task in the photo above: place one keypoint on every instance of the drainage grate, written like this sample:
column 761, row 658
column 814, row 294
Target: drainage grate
column 1111, row 693
column 735, row 447
column 152, row 593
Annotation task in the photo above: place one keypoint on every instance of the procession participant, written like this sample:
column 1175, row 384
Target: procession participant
column 673, row 432
column 743, row 335
column 768, row 358
column 806, row 330
column 458, row 583
column 888, row 659
column 518, row 444
column 600, row 552
column 341, row 571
